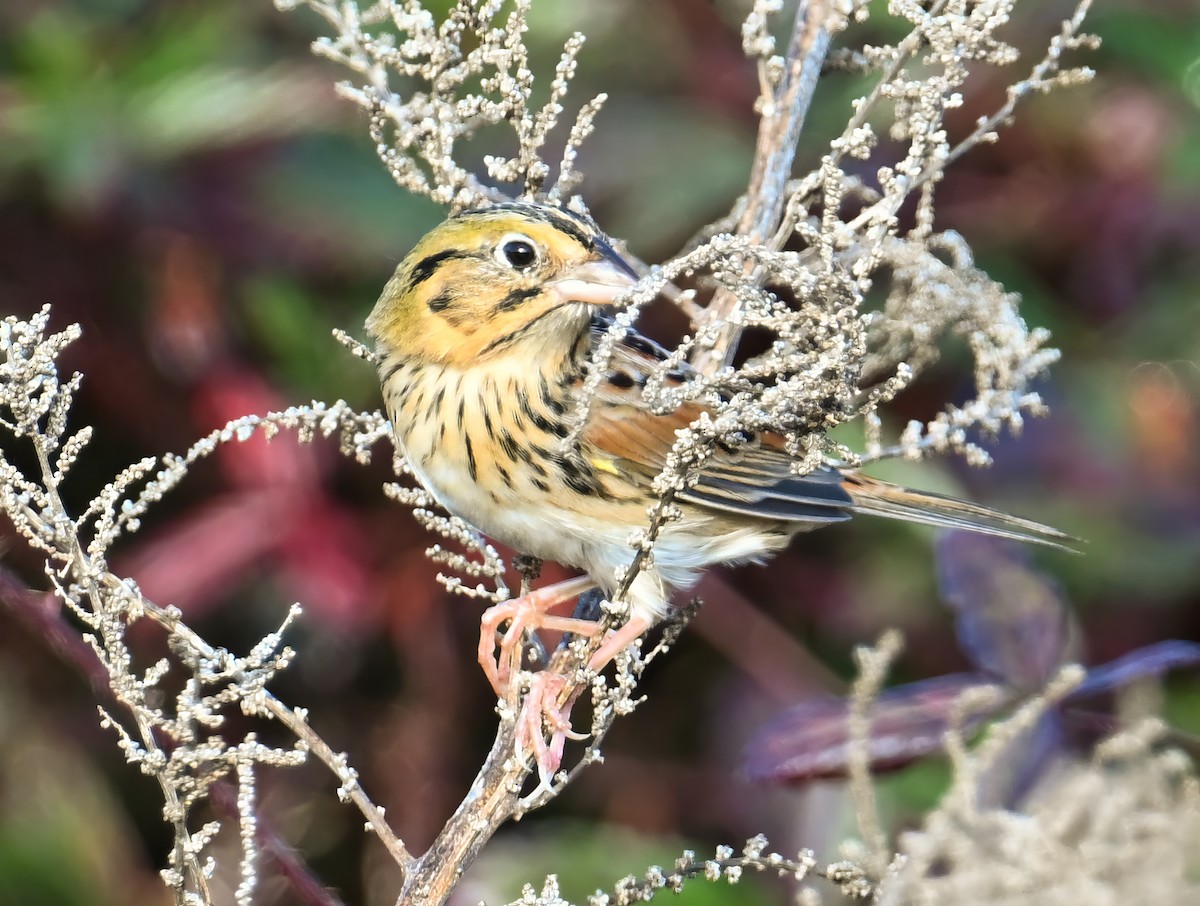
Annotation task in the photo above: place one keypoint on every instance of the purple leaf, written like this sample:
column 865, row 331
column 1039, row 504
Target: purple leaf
column 1011, row 620
column 1010, row 776
column 812, row 739
column 1152, row 660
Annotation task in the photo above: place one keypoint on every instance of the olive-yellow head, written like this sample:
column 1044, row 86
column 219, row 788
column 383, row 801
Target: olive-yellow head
column 504, row 280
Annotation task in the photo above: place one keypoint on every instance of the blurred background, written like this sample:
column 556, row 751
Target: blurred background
column 180, row 179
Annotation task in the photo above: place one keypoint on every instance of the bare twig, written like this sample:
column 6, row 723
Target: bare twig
column 290, row 718
column 307, row 889
column 42, row 614
column 490, row 802
column 782, row 119
column 178, row 749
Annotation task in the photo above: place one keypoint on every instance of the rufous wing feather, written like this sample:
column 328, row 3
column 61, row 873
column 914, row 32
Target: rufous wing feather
column 756, row 481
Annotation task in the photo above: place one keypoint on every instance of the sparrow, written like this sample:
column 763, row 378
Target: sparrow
column 484, row 341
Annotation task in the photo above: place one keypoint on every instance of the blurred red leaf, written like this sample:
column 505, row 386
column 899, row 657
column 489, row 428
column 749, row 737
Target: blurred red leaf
column 280, row 521
column 202, row 556
column 231, row 393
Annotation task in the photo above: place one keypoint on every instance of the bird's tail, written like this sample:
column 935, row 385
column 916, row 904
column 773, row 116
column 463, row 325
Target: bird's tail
column 880, row 498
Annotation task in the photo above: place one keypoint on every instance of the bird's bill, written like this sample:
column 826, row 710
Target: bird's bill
column 598, row 282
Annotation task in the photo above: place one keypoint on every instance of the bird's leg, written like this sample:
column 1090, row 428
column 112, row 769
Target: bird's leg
column 618, row 641
column 541, row 710
column 647, row 594
column 540, row 707
column 589, row 607
column 528, row 612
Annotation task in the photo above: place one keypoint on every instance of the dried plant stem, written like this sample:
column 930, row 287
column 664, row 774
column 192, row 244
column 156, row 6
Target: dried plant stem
column 299, row 726
column 73, row 554
column 873, row 664
column 495, row 795
column 492, row 800
column 306, row 889
column 81, row 564
column 41, row 615
column 1044, row 76
column 350, row 786
column 779, row 130
column 286, row 716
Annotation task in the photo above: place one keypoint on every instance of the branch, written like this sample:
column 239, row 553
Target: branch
column 78, row 571
column 1046, row 75
column 492, row 800
column 495, row 794
column 308, row 889
column 42, row 616
column 779, row 130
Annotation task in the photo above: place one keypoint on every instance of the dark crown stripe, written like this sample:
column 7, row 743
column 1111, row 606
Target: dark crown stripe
column 570, row 227
column 565, row 221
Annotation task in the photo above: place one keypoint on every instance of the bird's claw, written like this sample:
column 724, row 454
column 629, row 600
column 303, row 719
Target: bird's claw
column 540, row 714
column 527, row 613
column 543, row 724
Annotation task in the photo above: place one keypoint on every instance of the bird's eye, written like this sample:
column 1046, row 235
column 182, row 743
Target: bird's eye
column 517, row 251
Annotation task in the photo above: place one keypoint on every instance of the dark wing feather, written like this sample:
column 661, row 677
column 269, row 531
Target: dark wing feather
column 760, row 482
column 755, row 481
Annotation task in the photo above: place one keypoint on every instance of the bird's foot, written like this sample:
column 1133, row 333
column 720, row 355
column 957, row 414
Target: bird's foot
column 543, row 723
column 525, row 614
column 543, row 716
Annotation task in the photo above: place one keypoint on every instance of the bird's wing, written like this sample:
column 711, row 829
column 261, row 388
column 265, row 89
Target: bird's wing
column 755, row 480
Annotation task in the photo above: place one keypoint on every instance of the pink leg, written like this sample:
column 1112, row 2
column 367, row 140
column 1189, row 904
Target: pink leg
column 528, row 612
column 618, row 641
column 540, row 709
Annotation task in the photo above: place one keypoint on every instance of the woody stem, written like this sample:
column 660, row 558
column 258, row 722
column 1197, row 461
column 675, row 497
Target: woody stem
column 782, row 119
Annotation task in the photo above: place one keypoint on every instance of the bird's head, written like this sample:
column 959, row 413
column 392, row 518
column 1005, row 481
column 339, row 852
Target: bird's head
column 509, row 279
